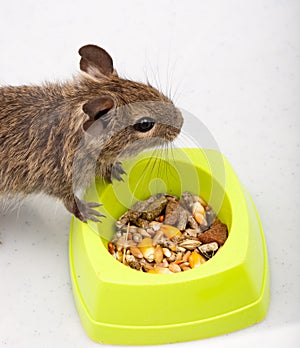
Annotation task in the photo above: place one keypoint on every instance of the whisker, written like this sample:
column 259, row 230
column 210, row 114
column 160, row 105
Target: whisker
column 170, row 79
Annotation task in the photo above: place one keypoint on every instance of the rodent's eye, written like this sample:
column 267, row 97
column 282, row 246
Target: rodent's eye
column 144, row 124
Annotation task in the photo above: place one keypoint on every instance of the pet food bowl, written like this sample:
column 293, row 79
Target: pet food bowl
column 119, row 305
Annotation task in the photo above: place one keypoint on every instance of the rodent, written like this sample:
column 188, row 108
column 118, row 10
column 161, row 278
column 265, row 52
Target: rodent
column 56, row 137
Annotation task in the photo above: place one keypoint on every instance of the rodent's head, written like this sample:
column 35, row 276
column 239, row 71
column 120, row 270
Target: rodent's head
column 132, row 115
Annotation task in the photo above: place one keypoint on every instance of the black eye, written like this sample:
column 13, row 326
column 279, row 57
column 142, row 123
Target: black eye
column 144, row 124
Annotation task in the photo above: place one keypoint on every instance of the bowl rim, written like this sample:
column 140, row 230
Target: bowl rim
column 116, row 272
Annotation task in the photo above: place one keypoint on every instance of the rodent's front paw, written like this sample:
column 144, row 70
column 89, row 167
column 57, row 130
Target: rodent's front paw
column 114, row 172
column 117, row 171
column 84, row 211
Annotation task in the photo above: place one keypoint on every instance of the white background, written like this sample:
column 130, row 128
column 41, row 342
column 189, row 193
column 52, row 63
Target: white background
column 234, row 64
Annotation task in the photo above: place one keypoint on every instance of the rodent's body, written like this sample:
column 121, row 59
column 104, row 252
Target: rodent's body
column 43, row 127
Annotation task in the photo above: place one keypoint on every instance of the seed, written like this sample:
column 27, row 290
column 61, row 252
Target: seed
column 180, row 249
column 160, row 270
column 147, row 249
column 198, row 208
column 199, row 213
column 200, row 219
column 155, row 225
column 119, row 224
column 167, row 252
column 146, row 242
column 191, row 231
column 209, row 249
column 164, row 263
column 158, row 254
column 190, row 244
column 161, row 218
column 132, row 262
column 200, row 200
column 184, row 264
column 172, row 257
column 186, row 256
column 170, row 231
column 137, row 237
column 192, row 222
column 111, row 247
column 135, row 251
column 173, row 267
column 185, row 268
column 196, row 259
column 121, row 243
column 118, row 234
column 173, row 248
column 178, row 256
column 145, row 265
column 119, row 256
column 148, row 253
column 157, row 238
column 144, row 233
column 133, row 229
column 163, row 235
column 131, row 243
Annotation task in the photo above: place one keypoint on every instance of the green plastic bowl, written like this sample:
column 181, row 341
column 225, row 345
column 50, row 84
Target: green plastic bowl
column 119, row 305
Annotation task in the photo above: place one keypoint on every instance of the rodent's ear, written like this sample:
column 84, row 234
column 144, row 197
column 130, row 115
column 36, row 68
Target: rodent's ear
column 96, row 108
column 96, row 61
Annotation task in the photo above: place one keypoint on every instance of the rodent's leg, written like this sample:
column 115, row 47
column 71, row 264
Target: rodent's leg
column 81, row 209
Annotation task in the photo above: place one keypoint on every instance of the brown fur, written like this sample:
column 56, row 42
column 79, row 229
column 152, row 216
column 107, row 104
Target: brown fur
column 48, row 144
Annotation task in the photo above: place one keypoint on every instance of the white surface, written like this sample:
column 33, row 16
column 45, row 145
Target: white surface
column 236, row 66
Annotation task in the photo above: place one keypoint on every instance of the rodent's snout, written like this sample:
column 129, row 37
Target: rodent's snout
column 178, row 119
column 171, row 125
column 176, row 122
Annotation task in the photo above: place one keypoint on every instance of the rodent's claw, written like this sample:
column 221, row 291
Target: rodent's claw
column 93, row 204
column 86, row 212
column 117, row 171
